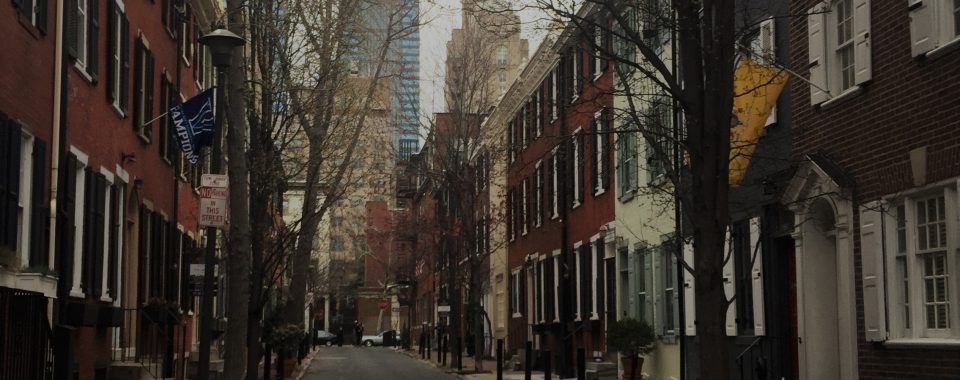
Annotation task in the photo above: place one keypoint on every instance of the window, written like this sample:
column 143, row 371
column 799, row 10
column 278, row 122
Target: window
column 501, row 55
column 82, row 40
column 843, row 11
column 645, row 285
column 336, row 243
column 578, row 160
column 657, row 149
column 118, row 37
column 186, row 48
column 169, row 16
column 933, row 24
column 537, row 114
column 34, row 12
column 576, row 73
column 553, row 93
column 627, row 166
column 600, row 147
column 743, row 269
column 839, row 47
column 668, row 262
column 168, row 97
column 510, row 214
column 143, row 90
column 538, row 192
column 525, row 208
column 502, row 75
column 597, row 61
column 515, row 290
column 922, row 265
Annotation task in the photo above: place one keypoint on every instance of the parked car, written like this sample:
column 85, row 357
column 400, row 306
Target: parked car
column 325, row 338
column 378, row 340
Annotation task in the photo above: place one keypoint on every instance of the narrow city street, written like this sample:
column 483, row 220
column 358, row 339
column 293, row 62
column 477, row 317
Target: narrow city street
column 369, row 363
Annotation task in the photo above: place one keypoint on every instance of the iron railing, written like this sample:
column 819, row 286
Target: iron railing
column 158, row 345
column 26, row 349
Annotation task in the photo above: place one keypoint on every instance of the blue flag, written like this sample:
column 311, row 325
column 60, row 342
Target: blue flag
column 193, row 124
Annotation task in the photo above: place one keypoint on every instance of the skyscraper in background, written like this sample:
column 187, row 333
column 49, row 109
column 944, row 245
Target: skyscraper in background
column 405, row 92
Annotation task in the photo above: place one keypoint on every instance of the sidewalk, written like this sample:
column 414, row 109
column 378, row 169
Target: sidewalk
column 489, row 367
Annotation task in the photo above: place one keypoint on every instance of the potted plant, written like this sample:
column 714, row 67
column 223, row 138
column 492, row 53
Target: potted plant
column 286, row 340
column 632, row 338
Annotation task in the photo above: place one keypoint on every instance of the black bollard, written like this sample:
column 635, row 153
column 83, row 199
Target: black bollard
column 499, row 359
column 459, row 358
column 581, row 364
column 528, row 361
column 421, row 348
column 280, row 364
column 267, row 360
column 429, row 354
column 547, row 370
column 444, row 345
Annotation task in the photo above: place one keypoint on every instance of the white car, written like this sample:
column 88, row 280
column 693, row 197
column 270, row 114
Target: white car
column 377, row 340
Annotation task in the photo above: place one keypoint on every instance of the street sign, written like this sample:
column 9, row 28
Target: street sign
column 443, row 309
column 214, row 192
column 383, row 304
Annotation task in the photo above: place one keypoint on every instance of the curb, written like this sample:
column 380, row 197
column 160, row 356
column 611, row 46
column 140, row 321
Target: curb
column 305, row 365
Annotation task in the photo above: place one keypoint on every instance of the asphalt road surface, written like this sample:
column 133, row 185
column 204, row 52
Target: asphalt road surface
column 369, row 363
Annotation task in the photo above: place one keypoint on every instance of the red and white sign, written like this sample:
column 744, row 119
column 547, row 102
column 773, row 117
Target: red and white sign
column 214, row 192
column 383, row 303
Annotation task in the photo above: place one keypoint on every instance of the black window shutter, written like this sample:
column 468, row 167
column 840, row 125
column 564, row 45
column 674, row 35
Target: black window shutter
column 599, row 280
column 114, row 227
column 124, row 63
column 148, row 129
column 594, row 164
column 67, row 215
column 111, row 49
column 42, row 8
column 100, row 224
column 164, row 12
column 9, row 206
column 137, row 84
column 93, row 39
column 607, row 122
column 39, row 214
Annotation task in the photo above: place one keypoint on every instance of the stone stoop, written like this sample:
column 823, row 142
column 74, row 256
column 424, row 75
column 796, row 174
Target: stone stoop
column 601, row 371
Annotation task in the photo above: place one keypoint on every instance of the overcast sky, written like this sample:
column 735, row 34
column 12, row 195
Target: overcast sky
column 442, row 17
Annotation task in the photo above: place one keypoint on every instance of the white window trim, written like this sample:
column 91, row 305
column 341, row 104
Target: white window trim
column 116, row 21
column 918, row 334
column 82, row 158
column 515, row 296
column 598, row 129
column 121, row 215
column 576, row 263
column 81, row 62
column 597, row 61
column 543, row 287
column 555, row 194
column 538, row 190
column 594, row 252
column 525, row 213
column 577, row 176
column 553, row 90
column 556, row 285
column 105, row 293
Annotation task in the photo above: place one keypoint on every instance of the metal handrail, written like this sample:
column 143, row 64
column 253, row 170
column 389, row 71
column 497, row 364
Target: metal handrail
column 745, row 350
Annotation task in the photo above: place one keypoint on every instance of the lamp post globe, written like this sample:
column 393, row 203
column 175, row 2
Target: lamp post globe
column 221, row 43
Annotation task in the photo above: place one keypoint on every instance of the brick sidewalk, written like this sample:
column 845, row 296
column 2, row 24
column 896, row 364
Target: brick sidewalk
column 489, row 366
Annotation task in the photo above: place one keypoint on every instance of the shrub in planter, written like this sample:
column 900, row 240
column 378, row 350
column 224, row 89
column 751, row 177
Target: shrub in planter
column 631, row 338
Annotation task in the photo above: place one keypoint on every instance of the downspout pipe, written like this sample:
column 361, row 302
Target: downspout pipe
column 62, row 334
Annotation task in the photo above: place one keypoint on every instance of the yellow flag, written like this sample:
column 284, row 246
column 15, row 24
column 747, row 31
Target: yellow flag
column 756, row 88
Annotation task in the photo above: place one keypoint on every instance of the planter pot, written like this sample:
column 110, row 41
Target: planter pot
column 625, row 362
column 288, row 366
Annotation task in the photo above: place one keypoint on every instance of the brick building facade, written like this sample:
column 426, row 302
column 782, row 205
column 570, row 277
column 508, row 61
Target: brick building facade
column 877, row 139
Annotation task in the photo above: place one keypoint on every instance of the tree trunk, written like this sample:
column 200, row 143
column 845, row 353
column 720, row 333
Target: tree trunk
column 238, row 260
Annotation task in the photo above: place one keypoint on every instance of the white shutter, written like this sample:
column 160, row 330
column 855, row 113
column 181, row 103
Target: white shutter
column 729, row 286
column 768, row 48
column 923, row 26
column 658, row 285
column 817, row 41
column 689, row 295
column 861, row 40
column 756, row 276
column 648, row 287
column 871, row 256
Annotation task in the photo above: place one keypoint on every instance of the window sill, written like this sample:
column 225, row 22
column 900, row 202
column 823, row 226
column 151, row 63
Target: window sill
column 627, row 197
column 106, row 299
column 77, row 294
column 83, row 73
column 849, row 93
column 118, row 111
column 575, row 205
column 599, row 192
column 555, row 216
column 29, row 26
column 517, row 315
column 942, row 50
column 931, row 343
column 143, row 138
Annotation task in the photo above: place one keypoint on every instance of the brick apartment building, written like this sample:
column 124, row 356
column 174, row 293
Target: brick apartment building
column 875, row 193
column 560, row 103
column 120, row 229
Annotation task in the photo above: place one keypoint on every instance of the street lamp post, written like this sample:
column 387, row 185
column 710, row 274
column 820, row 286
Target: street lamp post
column 221, row 43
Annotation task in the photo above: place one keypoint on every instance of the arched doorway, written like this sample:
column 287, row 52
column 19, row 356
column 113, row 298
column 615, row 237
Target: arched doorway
column 819, row 278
